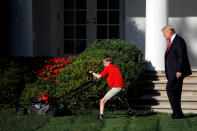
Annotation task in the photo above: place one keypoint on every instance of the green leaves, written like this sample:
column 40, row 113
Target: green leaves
column 127, row 57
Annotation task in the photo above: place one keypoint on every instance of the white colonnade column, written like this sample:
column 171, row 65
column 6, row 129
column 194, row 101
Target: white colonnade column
column 21, row 32
column 155, row 43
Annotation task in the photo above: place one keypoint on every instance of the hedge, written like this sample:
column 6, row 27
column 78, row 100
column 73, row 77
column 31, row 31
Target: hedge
column 15, row 72
column 127, row 57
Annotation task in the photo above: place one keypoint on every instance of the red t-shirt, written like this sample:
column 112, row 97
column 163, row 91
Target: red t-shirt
column 114, row 77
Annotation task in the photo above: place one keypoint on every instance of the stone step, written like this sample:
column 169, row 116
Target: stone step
column 184, row 93
column 190, row 103
column 187, row 108
column 164, row 93
column 167, row 106
column 194, row 73
column 160, row 75
column 184, row 107
column 186, row 83
column 165, row 98
column 155, row 96
column 155, row 91
column 156, row 103
column 163, row 77
column 161, row 72
column 163, row 88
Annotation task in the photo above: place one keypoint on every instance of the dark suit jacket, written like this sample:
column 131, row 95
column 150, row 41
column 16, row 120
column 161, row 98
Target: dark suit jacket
column 176, row 59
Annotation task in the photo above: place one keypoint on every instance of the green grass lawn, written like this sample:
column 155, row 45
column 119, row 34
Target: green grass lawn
column 85, row 120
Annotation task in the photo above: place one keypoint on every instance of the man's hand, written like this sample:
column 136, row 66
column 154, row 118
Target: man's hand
column 178, row 75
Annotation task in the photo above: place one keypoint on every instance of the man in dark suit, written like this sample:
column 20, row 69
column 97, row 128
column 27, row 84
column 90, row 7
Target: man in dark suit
column 177, row 67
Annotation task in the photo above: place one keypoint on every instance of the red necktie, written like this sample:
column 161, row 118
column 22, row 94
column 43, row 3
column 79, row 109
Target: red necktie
column 169, row 45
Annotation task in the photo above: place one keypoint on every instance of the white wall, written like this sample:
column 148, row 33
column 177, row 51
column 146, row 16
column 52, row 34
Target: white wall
column 135, row 11
column 182, row 15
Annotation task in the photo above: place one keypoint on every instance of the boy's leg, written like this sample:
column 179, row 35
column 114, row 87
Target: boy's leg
column 102, row 104
column 108, row 96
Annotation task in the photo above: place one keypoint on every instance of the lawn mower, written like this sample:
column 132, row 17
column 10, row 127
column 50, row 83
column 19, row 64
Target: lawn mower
column 46, row 105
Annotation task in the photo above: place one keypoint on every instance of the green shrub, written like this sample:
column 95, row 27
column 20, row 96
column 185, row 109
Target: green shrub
column 46, row 78
column 14, row 73
column 127, row 57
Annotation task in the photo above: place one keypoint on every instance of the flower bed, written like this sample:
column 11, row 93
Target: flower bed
column 46, row 79
column 53, row 66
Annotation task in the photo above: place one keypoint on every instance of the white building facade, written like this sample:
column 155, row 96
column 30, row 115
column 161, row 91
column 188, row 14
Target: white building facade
column 67, row 27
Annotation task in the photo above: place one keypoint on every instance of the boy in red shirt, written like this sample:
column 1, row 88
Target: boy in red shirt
column 114, row 79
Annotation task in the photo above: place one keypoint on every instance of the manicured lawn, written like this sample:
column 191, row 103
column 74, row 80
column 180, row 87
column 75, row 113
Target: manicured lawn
column 86, row 121
column 9, row 121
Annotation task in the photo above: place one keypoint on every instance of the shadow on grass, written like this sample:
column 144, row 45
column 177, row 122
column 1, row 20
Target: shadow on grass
column 11, row 122
column 190, row 115
column 139, row 114
column 151, row 113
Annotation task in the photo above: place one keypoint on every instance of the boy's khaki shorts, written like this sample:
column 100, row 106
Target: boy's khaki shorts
column 113, row 92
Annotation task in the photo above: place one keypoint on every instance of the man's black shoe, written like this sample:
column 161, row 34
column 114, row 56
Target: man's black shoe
column 177, row 117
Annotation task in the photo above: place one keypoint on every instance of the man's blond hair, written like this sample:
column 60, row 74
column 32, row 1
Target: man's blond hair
column 169, row 28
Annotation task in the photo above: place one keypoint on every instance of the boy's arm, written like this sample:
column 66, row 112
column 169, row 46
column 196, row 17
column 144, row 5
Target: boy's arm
column 98, row 76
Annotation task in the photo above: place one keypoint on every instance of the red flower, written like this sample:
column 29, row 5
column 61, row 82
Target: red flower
column 47, row 68
column 56, row 75
column 53, row 66
column 41, row 74
column 33, row 72
column 48, row 76
column 61, row 69
column 60, row 60
column 55, row 71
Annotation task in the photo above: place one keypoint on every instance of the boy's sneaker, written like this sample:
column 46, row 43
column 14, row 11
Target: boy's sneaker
column 131, row 113
column 100, row 117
